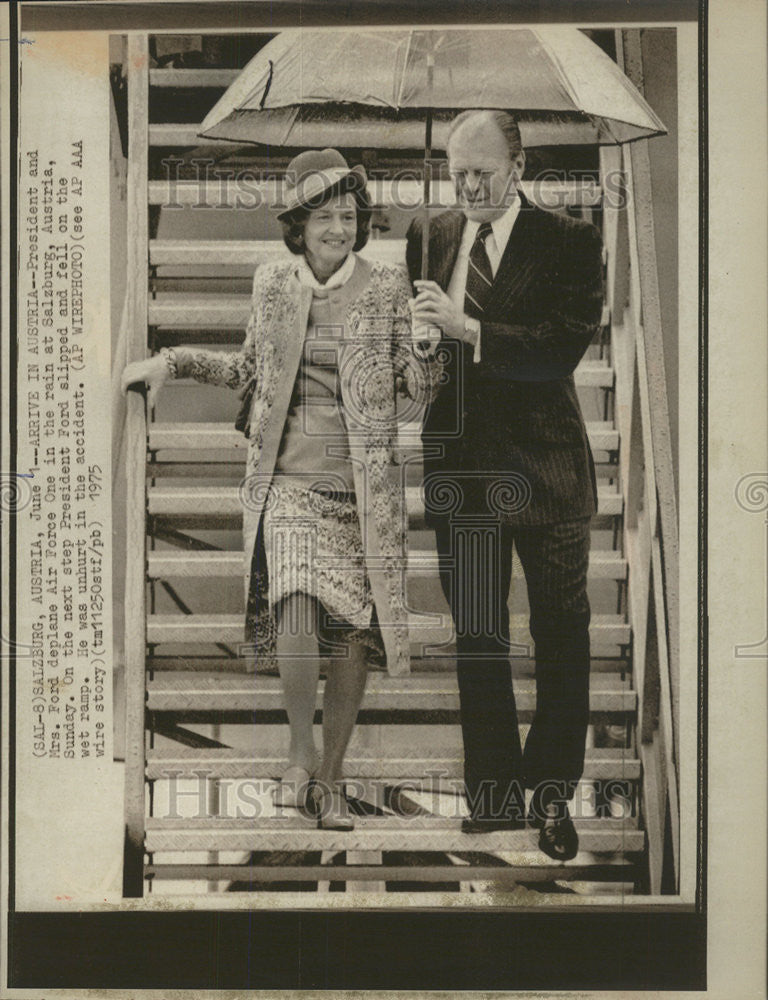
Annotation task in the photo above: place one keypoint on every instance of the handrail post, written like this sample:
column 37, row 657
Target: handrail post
column 642, row 196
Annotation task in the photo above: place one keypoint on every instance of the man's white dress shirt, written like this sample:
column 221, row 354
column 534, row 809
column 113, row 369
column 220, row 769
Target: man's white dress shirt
column 495, row 244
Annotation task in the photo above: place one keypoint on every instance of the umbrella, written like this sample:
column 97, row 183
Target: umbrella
column 400, row 88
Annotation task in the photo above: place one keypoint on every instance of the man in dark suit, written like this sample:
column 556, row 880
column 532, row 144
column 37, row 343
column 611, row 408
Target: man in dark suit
column 517, row 294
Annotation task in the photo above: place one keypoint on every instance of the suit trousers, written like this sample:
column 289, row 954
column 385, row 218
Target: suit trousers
column 475, row 554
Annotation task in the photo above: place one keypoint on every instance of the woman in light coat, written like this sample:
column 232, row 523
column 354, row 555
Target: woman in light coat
column 327, row 351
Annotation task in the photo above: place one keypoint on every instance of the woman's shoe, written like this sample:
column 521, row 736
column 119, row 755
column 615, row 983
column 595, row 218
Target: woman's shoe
column 329, row 805
column 292, row 790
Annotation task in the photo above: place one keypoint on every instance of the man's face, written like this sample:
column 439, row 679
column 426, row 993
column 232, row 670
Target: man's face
column 484, row 174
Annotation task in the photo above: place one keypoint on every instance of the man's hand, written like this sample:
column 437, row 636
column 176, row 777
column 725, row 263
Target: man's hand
column 432, row 307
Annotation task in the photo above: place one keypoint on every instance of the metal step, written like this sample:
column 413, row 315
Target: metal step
column 604, row 564
column 233, row 193
column 422, row 564
column 230, row 467
column 537, row 868
column 193, row 77
column 604, row 836
column 430, row 633
column 254, row 193
column 425, row 630
column 170, row 309
column 603, row 435
column 589, row 373
column 251, row 253
column 522, row 665
column 221, row 436
column 267, row 760
column 200, row 502
column 182, row 692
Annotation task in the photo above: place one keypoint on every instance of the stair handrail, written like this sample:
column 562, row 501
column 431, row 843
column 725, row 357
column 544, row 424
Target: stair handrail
column 651, row 524
column 643, row 258
column 135, row 438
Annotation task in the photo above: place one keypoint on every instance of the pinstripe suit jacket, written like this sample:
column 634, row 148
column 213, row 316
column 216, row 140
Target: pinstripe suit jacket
column 510, row 426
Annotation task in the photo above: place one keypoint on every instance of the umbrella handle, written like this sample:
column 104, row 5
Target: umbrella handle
column 267, row 85
column 426, row 347
column 427, row 173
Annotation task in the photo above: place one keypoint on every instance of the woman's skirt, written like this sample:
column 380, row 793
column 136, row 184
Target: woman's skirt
column 314, row 546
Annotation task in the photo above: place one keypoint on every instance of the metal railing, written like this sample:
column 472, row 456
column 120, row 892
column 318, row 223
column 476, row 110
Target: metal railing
column 648, row 484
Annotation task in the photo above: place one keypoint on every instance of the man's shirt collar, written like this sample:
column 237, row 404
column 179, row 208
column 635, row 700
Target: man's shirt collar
column 502, row 227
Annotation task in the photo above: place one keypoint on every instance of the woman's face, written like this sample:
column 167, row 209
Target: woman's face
column 329, row 234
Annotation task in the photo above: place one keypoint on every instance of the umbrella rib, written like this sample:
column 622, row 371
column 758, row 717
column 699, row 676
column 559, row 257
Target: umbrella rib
column 559, row 70
column 290, row 124
column 267, row 85
column 399, row 95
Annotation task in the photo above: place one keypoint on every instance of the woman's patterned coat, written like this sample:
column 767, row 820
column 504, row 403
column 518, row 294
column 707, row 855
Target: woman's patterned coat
column 375, row 363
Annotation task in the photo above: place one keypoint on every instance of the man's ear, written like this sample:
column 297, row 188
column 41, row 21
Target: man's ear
column 519, row 164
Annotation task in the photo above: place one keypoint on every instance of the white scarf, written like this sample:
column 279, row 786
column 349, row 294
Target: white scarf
column 306, row 276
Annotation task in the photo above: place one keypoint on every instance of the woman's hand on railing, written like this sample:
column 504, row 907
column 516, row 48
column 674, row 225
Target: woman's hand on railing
column 153, row 371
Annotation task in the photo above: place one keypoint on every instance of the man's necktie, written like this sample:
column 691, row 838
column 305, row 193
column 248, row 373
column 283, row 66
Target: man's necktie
column 479, row 274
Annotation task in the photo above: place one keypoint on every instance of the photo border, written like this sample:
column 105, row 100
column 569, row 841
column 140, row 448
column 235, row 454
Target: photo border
column 590, row 947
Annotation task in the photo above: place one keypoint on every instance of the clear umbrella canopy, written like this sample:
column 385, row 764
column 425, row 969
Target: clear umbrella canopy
column 381, row 88
column 378, row 88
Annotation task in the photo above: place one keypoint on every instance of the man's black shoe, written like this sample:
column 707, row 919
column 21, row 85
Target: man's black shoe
column 479, row 825
column 557, row 834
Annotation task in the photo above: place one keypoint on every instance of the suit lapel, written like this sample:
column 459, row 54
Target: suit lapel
column 524, row 257
column 444, row 241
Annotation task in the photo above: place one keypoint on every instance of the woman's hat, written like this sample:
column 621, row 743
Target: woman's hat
column 312, row 174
